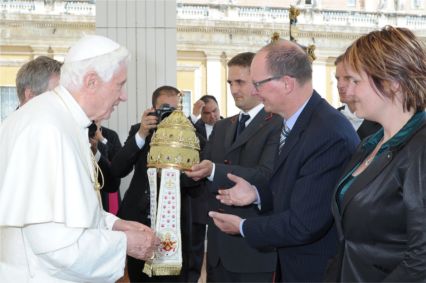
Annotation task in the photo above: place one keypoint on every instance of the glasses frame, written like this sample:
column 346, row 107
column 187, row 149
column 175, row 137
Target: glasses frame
column 258, row 84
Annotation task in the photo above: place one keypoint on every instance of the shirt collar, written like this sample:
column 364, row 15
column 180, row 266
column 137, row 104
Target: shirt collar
column 293, row 118
column 252, row 112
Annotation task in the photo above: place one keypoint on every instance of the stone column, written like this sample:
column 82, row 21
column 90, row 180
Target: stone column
column 148, row 29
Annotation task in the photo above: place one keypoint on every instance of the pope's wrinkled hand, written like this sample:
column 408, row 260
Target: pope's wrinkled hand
column 243, row 193
column 227, row 223
column 200, row 170
column 125, row 225
column 141, row 244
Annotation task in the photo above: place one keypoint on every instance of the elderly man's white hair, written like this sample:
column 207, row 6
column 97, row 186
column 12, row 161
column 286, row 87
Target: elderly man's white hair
column 92, row 53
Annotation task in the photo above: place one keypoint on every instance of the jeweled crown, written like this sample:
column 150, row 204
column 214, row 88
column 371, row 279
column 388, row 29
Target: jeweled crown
column 175, row 143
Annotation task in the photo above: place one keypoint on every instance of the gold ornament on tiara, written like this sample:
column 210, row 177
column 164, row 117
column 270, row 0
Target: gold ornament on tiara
column 174, row 143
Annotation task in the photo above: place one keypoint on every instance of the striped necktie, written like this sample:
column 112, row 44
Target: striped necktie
column 285, row 131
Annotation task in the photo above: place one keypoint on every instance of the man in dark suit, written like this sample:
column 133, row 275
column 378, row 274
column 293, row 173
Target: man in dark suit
column 208, row 110
column 244, row 144
column 363, row 127
column 136, row 202
column 311, row 154
column 105, row 143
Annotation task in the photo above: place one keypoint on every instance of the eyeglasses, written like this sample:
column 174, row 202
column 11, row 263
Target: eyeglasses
column 258, row 84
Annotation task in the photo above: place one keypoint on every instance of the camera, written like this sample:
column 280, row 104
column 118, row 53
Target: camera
column 163, row 112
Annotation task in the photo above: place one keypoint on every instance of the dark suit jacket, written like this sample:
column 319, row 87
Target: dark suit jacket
column 199, row 203
column 382, row 221
column 251, row 157
column 108, row 151
column 302, row 184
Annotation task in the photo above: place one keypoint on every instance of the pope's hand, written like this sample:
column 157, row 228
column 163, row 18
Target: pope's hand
column 125, row 225
column 242, row 193
column 200, row 170
column 141, row 244
column 227, row 223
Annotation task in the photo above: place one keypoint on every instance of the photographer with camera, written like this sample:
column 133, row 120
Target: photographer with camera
column 136, row 201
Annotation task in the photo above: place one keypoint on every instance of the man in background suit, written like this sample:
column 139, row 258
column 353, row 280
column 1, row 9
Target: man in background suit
column 136, row 202
column 105, row 143
column 363, row 127
column 311, row 154
column 208, row 108
column 247, row 148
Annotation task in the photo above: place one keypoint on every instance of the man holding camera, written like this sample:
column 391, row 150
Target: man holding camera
column 136, row 201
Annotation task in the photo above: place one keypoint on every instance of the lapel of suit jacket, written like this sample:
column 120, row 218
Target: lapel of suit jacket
column 201, row 128
column 254, row 126
column 368, row 175
column 230, row 132
column 299, row 127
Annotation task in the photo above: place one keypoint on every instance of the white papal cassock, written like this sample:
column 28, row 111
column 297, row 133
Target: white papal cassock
column 52, row 227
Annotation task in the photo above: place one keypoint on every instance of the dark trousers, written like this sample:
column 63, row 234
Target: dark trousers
column 219, row 273
column 196, row 251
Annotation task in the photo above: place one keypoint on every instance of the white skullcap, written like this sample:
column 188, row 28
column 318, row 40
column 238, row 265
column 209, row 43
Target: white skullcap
column 90, row 46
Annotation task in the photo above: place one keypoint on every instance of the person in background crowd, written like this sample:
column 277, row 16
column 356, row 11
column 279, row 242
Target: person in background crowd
column 315, row 142
column 36, row 77
column 105, row 143
column 210, row 114
column 363, row 127
column 379, row 202
column 52, row 226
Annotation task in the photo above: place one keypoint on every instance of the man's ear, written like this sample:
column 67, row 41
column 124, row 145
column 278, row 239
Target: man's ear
column 288, row 83
column 28, row 94
column 91, row 81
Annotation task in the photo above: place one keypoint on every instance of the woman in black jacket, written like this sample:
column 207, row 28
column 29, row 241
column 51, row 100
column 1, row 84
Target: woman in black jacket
column 380, row 201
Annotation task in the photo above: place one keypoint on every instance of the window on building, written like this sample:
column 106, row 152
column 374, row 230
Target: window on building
column 351, row 3
column 308, row 2
column 186, row 102
column 8, row 101
column 417, row 4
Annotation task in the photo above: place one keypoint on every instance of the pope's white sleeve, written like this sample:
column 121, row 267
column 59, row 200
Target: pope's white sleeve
column 109, row 219
column 76, row 254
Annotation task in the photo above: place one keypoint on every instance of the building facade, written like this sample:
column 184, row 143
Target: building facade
column 207, row 34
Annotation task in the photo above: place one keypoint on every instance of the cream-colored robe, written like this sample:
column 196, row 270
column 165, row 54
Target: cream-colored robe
column 52, row 228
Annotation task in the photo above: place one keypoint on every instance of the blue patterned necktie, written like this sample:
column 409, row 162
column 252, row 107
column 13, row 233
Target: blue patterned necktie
column 285, row 131
column 242, row 123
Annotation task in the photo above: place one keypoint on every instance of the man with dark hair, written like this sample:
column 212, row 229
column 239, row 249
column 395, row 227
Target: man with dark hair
column 208, row 108
column 36, row 77
column 315, row 142
column 136, row 201
column 244, row 144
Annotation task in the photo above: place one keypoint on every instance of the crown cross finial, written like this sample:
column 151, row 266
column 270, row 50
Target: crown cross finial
column 180, row 106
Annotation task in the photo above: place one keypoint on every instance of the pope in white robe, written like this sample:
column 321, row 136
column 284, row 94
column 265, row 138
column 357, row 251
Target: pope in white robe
column 52, row 226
